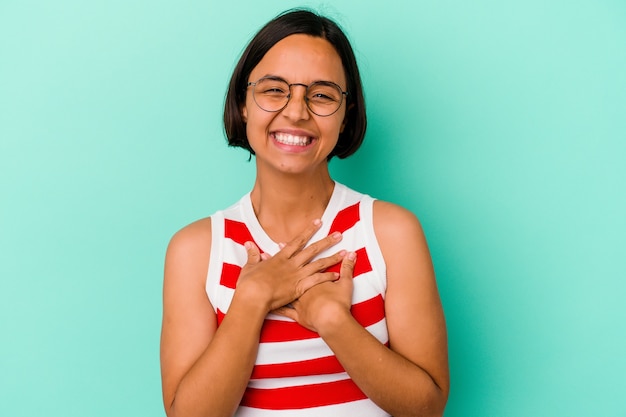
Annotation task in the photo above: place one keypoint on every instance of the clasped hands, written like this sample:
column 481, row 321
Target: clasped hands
column 293, row 285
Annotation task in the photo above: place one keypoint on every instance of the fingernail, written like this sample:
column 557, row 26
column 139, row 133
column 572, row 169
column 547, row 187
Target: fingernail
column 336, row 235
column 352, row 256
column 317, row 222
column 342, row 253
column 247, row 245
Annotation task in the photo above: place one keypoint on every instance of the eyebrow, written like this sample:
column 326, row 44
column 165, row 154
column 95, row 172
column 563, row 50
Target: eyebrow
column 279, row 78
column 274, row 77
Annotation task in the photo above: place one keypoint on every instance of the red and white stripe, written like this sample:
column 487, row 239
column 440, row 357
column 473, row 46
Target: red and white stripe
column 296, row 373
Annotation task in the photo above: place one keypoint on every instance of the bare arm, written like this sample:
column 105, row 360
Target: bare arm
column 205, row 369
column 196, row 359
column 411, row 377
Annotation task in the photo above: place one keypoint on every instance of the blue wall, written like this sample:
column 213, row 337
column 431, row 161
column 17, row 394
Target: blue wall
column 500, row 124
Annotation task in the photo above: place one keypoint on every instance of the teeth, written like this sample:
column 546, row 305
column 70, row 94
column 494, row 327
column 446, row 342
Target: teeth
column 288, row 139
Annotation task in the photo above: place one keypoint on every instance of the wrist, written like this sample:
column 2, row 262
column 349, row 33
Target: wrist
column 332, row 319
column 249, row 298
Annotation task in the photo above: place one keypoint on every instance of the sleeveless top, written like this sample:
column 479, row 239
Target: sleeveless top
column 296, row 374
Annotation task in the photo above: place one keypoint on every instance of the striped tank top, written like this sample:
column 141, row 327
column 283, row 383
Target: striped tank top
column 296, row 374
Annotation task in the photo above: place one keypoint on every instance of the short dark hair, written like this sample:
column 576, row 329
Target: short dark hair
column 291, row 22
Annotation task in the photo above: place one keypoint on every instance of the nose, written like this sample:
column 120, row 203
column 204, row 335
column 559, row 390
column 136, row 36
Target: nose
column 297, row 108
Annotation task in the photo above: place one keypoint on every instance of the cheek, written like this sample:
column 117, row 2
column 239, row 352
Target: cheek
column 254, row 120
column 332, row 132
column 257, row 123
column 339, row 124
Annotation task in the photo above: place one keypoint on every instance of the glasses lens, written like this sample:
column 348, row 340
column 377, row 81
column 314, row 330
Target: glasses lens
column 324, row 98
column 271, row 94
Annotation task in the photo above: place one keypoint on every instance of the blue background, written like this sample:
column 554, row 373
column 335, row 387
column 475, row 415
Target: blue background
column 500, row 124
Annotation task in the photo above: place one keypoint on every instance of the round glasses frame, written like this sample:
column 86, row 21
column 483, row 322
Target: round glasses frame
column 287, row 97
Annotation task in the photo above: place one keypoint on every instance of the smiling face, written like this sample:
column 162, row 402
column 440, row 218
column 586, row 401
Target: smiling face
column 295, row 140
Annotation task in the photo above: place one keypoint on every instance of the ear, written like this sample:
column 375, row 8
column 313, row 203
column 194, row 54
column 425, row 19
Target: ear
column 244, row 113
column 345, row 118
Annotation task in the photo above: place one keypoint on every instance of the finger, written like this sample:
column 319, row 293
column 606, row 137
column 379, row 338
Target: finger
column 254, row 254
column 287, row 312
column 330, row 262
column 312, row 280
column 347, row 268
column 321, row 245
column 301, row 240
column 265, row 256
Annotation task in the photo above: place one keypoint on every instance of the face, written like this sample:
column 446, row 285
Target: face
column 294, row 139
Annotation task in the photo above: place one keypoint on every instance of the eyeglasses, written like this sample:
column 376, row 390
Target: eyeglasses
column 272, row 94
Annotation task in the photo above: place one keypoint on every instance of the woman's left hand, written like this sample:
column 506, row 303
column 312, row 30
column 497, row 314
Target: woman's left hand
column 324, row 303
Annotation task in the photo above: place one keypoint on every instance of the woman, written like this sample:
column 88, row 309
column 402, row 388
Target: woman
column 318, row 300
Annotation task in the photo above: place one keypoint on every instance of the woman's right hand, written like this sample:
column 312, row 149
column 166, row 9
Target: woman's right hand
column 280, row 279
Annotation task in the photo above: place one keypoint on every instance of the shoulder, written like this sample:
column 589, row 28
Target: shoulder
column 195, row 237
column 402, row 243
column 393, row 222
column 189, row 250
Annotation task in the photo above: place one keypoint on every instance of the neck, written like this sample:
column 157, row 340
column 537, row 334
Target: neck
column 286, row 204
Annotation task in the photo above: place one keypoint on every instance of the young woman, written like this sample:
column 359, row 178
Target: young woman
column 305, row 298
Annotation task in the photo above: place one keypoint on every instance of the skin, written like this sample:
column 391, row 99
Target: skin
column 202, row 373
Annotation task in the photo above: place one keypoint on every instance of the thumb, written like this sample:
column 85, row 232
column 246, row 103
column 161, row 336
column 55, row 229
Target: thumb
column 254, row 254
column 347, row 268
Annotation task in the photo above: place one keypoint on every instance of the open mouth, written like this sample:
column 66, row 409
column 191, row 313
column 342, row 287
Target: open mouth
column 293, row 140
